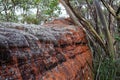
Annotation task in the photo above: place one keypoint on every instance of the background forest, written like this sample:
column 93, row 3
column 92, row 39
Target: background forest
column 100, row 20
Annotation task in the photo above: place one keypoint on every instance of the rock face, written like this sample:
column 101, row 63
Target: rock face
column 49, row 52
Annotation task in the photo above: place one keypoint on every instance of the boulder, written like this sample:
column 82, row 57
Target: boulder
column 53, row 51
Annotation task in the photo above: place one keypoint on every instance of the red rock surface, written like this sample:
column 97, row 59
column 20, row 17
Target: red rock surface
column 55, row 52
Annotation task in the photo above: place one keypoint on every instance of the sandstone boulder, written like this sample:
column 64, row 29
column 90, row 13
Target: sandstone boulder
column 48, row 52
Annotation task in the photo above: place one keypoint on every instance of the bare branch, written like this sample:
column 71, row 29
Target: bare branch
column 84, row 22
column 107, row 32
column 110, row 9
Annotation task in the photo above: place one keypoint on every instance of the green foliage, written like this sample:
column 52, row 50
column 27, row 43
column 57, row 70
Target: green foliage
column 30, row 19
column 43, row 10
column 49, row 7
column 107, row 70
column 117, row 38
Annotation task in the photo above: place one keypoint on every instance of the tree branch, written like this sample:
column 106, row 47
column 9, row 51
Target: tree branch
column 84, row 22
column 107, row 32
column 110, row 9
